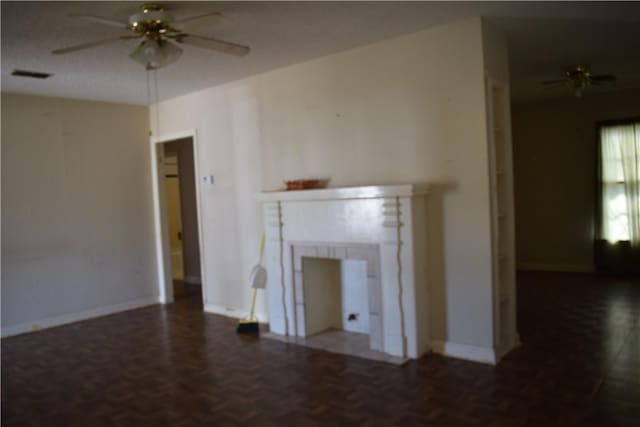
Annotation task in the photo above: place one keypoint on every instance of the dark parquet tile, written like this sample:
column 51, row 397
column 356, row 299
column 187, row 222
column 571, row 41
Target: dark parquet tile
column 579, row 365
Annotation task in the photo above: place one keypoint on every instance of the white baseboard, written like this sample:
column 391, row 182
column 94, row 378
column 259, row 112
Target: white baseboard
column 568, row 268
column 464, row 351
column 232, row 312
column 63, row 319
column 192, row 280
column 503, row 351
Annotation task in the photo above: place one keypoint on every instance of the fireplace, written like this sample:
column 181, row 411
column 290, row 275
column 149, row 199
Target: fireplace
column 375, row 236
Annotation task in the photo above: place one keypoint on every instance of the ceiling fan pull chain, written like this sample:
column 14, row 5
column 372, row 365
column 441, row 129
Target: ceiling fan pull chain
column 157, row 103
column 148, row 78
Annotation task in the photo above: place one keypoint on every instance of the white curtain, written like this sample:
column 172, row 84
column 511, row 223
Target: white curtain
column 621, row 183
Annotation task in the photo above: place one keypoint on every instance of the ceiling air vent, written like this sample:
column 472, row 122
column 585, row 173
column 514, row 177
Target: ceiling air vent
column 32, row 74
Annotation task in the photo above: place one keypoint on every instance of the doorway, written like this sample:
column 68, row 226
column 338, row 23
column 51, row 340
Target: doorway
column 177, row 177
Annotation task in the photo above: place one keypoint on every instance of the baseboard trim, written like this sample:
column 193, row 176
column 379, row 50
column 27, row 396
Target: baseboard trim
column 567, row 268
column 64, row 319
column 503, row 351
column 464, row 351
column 234, row 313
column 193, row 280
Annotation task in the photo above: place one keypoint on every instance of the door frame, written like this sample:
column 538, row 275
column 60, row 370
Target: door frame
column 160, row 217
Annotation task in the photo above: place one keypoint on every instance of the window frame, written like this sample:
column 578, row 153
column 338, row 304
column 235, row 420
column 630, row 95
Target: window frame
column 598, row 226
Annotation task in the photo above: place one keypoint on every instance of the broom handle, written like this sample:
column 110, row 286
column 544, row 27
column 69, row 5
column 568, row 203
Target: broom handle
column 253, row 304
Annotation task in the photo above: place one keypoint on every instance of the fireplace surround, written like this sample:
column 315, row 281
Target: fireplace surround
column 385, row 226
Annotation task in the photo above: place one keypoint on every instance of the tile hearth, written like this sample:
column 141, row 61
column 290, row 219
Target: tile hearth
column 341, row 342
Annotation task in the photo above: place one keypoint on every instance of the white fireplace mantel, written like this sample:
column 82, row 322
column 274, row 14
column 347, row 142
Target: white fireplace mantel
column 382, row 225
column 367, row 192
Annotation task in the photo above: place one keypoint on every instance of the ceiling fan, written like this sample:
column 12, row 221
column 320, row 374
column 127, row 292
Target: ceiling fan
column 157, row 31
column 579, row 77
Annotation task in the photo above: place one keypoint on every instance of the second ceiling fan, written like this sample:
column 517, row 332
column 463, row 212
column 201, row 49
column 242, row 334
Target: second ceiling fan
column 579, row 77
column 158, row 31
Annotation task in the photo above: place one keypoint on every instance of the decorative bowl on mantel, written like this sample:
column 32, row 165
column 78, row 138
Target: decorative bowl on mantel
column 306, row 184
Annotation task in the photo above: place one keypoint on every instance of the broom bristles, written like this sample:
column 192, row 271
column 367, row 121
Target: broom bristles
column 248, row 328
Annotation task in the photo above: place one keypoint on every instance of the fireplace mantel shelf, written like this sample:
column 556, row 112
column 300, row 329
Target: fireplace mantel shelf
column 344, row 193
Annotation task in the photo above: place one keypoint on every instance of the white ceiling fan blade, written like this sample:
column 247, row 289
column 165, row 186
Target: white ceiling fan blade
column 562, row 82
column 213, row 44
column 603, row 78
column 91, row 44
column 629, row 83
column 198, row 20
column 100, row 20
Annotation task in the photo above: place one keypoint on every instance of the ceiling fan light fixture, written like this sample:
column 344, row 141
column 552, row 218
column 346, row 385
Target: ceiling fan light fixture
column 154, row 27
column 579, row 78
column 154, row 54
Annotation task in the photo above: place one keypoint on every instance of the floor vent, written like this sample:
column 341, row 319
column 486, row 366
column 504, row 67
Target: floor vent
column 32, row 74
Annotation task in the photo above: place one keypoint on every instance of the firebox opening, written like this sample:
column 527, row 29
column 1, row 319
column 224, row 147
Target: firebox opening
column 335, row 290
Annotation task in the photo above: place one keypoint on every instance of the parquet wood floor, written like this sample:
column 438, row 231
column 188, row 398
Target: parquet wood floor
column 174, row 365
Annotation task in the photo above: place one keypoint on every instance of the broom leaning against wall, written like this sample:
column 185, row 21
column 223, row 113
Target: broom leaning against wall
column 257, row 280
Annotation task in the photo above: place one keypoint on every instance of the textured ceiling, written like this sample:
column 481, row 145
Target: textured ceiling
column 543, row 37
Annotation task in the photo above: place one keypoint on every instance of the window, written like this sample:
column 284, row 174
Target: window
column 620, row 182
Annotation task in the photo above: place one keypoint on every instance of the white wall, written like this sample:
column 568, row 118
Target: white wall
column 77, row 221
column 405, row 110
column 495, row 51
